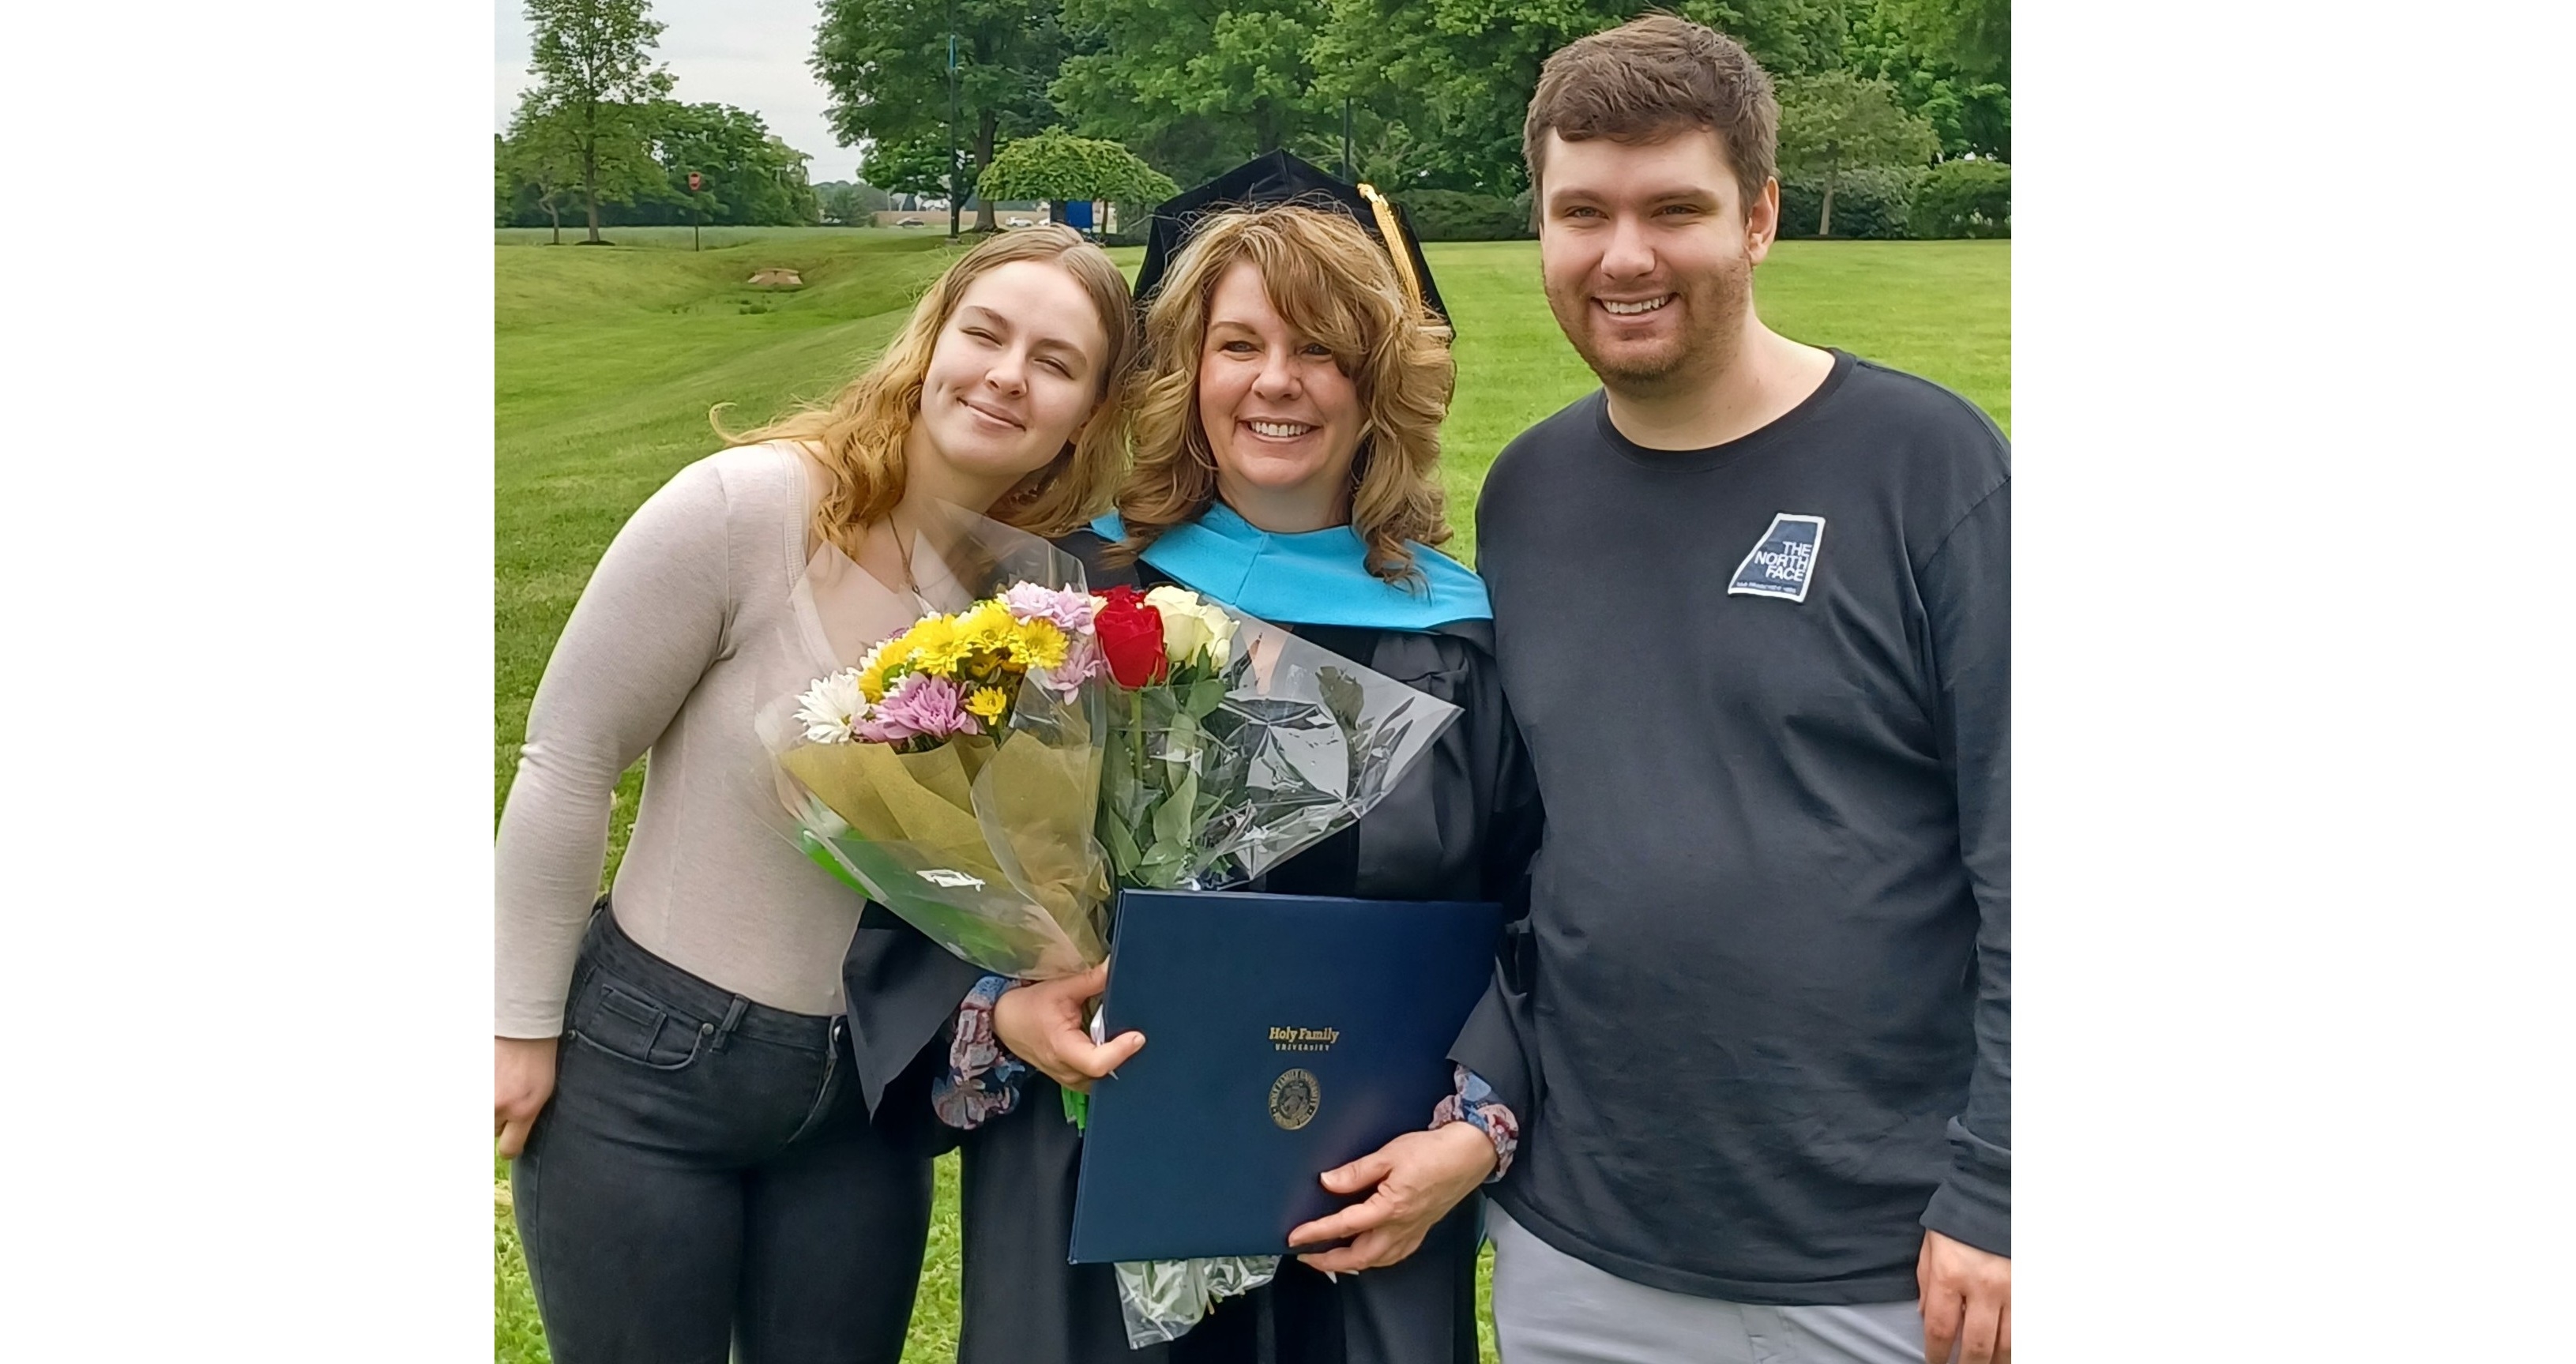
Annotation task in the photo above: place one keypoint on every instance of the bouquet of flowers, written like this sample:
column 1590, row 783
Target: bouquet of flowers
column 951, row 775
column 1234, row 745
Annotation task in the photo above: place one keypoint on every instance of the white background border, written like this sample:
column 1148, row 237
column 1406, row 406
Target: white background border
column 2291, row 501
column 247, row 543
column 2290, row 295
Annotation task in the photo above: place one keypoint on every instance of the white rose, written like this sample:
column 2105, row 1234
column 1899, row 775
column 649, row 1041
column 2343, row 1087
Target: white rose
column 1221, row 628
column 1192, row 624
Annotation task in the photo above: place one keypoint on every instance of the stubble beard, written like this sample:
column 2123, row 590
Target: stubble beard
column 1714, row 307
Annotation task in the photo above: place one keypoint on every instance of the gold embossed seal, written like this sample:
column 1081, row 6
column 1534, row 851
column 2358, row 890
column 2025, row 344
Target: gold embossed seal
column 1294, row 1099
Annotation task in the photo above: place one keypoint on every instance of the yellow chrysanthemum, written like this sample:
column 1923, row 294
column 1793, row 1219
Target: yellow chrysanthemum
column 1038, row 644
column 985, row 703
column 872, row 670
column 986, row 627
column 937, row 646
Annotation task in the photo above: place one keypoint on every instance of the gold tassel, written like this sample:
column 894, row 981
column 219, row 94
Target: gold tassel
column 1395, row 244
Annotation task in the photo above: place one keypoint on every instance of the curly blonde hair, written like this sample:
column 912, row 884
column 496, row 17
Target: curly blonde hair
column 1334, row 283
column 858, row 436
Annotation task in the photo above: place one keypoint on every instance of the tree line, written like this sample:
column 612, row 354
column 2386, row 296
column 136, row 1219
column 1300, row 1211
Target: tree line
column 1427, row 96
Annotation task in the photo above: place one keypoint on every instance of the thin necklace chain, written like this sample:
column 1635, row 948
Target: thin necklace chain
column 903, row 556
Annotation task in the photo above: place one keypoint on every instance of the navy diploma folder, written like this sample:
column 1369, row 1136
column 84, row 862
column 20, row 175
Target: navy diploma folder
column 1284, row 1035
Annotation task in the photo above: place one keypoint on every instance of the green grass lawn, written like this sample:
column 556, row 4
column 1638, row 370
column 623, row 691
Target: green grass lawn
column 607, row 362
column 710, row 238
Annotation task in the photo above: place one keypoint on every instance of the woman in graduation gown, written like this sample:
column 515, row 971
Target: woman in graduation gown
column 1287, row 453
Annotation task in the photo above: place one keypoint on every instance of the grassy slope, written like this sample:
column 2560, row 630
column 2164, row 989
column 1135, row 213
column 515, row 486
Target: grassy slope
column 607, row 362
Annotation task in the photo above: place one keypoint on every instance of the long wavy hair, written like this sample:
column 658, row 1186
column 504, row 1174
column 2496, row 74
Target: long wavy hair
column 1337, row 285
column 858, row 436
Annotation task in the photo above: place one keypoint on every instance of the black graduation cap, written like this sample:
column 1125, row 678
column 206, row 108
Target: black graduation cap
column 1279, row 178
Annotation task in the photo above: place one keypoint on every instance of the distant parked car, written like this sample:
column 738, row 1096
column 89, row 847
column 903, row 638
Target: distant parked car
column 1015, row 222
column 909, row 222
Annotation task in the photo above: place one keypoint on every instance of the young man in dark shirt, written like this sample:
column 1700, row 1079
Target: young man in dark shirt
column 1752, row 603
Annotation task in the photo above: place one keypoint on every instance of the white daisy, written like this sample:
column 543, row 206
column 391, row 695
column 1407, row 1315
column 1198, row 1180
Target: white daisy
column 832, row 708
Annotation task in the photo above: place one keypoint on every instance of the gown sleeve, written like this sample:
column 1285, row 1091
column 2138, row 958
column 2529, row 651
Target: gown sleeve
column 1497, row 1050
column 904, row 992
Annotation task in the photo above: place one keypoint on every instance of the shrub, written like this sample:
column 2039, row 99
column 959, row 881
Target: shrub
column 1964, row 199
column 1449, row 215
column 1871, row 204
column 1057, row 165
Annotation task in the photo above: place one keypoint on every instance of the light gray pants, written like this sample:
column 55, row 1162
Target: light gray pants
column 1551, row 1308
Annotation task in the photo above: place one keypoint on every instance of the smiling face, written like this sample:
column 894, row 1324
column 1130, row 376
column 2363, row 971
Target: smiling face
column 1281, row 417
column 1647, row 253
column 1012, row 378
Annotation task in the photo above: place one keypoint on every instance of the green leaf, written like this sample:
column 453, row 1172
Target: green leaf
column 1172, row 820
column 1162, row 867
column 1183, row 740
column 813, row 846
column 1125, row 792
column 1123, row 853
column 1342, row 694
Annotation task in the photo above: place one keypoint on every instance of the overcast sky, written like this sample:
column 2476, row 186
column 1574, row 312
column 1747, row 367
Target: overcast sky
column 747, row 53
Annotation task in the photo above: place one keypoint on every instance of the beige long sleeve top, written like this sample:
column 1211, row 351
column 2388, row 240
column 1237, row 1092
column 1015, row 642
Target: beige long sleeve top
column 690, row 625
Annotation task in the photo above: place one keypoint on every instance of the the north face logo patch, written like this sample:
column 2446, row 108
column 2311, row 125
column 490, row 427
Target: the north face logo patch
column 1785, row 562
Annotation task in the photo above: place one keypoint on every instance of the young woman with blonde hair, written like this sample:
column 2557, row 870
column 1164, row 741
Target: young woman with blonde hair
column 1287, row 464
column 695, row 1165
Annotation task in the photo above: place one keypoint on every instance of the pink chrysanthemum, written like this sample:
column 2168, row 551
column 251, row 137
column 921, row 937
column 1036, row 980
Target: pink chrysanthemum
column 923, row 706
column 873, row 730
column 1070, row 612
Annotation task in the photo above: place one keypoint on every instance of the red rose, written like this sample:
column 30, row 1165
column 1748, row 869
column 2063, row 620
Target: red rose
column 1131, row 637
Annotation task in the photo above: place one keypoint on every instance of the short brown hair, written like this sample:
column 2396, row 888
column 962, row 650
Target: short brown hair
column 1650, row 79
column 1335, row 283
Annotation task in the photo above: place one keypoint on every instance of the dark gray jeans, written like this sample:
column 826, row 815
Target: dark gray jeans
column 705, row 1180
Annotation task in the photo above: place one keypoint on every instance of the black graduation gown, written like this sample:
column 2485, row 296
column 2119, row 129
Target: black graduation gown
column 1459, row 826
